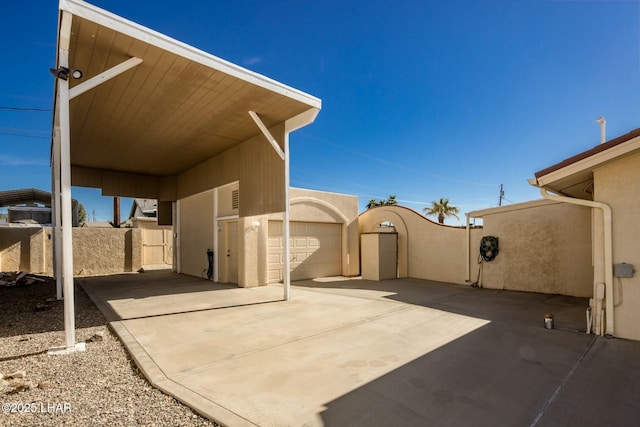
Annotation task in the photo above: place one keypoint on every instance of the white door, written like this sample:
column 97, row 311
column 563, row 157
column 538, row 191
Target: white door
column 316, row 250
column 231, row 252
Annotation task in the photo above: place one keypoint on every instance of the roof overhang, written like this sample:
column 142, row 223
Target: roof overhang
column 574, row 176
column 166, row 111
column 511, row 208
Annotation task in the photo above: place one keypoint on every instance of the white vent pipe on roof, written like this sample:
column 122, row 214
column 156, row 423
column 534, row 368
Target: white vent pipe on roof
column 603, row 126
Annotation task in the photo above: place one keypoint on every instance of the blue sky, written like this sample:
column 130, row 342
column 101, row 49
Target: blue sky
column 421, row 99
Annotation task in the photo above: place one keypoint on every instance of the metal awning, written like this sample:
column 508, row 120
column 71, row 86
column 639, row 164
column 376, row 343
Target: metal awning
column 149, row 106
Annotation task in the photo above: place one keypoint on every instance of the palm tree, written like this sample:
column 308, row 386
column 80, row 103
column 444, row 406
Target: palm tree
column 372, row 203
column 391, row 201
column 443, row 209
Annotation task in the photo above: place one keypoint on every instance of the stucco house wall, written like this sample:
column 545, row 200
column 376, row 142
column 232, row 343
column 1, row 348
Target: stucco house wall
column 426, row 249
column 195, row 232
column 618, row 185
column 199, row 214
column 543, row 247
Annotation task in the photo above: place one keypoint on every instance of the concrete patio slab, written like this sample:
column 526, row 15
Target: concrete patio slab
column 354, row 352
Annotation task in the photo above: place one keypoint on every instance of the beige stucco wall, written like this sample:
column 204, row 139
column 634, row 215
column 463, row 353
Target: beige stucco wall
column 23, row 249
column 106, row 250
column 96, row 251
column 618, row 185
column 379, row 256
column 426, row 250
column 544, row 247
column 195, row 232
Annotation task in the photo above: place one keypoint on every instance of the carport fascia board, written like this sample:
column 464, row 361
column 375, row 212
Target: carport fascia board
column 102, row 17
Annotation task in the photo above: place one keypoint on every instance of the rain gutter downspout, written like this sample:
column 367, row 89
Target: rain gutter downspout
column 608, row 248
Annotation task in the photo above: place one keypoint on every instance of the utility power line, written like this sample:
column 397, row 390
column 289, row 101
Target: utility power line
column 24, row 109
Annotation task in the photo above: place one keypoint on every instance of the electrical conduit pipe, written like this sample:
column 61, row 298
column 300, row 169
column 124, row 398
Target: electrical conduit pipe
column 608, row 249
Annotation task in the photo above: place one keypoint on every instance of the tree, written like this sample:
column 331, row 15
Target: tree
column 442, row 209
column 82, row 213
column 391, row 201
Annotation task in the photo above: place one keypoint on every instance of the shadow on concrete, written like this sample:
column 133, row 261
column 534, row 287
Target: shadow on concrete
column 136, row 285
column 506, row 376
column 160, row 293
column 510, row 372
column 514, row 306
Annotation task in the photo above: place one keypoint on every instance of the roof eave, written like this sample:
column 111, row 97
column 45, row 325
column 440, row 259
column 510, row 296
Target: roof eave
column 590, row 159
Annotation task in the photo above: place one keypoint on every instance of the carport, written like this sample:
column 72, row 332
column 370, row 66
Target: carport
column 138, row 114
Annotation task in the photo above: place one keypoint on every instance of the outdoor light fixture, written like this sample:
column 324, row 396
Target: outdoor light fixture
column 63, row 73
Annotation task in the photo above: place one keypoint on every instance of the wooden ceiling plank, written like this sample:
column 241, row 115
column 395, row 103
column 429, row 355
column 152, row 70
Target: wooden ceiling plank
column 100, row 99
column 132, row 120
column 77, row 58
column 180, row 97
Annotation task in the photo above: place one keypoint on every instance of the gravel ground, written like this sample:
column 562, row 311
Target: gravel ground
column 101, row 386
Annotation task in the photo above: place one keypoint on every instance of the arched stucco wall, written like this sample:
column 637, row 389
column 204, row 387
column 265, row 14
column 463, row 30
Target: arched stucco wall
column 426, row 250
column 319, row 206
column 368, row 223
column 314, row 209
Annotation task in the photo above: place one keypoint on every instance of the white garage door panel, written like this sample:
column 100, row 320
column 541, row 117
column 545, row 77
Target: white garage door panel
column 316, row 250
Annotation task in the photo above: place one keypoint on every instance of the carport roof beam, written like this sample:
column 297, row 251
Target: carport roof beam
column 104, row 76
column 267, row 134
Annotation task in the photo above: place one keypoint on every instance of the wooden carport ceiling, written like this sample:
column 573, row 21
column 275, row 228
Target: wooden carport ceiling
column 172, row 111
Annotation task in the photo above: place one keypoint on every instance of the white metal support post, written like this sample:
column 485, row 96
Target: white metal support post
column 291, row 125
column 286, row 227
column 67, row 232
column 63, row 153
column 55, row 204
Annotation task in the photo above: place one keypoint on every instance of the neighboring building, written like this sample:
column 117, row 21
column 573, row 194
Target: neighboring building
column 31, row 206
column 143, row 208
column 606, row 178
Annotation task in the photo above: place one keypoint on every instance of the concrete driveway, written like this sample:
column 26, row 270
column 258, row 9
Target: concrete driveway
column 350, row 352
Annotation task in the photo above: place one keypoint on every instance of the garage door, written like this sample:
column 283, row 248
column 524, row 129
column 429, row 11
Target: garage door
column 316, row 250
